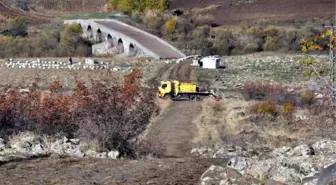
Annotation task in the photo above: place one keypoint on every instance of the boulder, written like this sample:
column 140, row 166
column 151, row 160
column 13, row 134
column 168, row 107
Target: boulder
column 219, row 175
column 63, row 147
column 285, row 175
column 38, row 150
column 261, row 169
column 208, row 181
column 113, row 154
column 240, row 163
column 325, row 146
column 214, row 172
column 26, row 142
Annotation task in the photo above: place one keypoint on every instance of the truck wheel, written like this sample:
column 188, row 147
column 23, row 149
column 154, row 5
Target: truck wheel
column 192, row 98
column 167, row 96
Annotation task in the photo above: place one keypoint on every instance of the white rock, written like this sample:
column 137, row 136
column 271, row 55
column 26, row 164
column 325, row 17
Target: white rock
column 325, row 147
column 214, row 172
column 240, row 163
column 113, row 154
column 38, row 150
column 208, row 181
column 74, row 141
column 261, row 169
column 285, row 175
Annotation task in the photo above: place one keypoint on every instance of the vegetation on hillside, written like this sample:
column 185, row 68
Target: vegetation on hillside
column 57, row 41
column 132, row 6
column 198, row 34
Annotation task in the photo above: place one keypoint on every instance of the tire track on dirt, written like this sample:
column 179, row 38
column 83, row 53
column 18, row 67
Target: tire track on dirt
column 174, row 128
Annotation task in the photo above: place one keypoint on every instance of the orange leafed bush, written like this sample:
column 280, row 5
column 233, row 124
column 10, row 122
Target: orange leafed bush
column 264, row 108
column 288, row 107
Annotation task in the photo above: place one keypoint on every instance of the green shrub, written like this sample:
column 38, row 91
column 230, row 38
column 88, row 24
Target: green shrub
column 307, row 97
column 126, row 6
column 271, row 31
column 255, row 32
column 272, row 44
column 251, row 47
column 169, row 27
column 129, row 6
column 153, row 20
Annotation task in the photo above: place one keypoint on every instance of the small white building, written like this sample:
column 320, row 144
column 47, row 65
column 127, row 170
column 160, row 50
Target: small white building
column 210, row 62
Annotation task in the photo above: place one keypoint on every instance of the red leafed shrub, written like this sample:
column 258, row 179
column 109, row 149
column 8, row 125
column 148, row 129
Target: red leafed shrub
column 254, row 90
column 108, row 111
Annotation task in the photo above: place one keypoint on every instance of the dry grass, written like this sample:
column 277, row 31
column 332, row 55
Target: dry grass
column 217, row 120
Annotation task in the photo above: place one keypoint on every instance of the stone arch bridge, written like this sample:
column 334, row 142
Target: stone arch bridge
column 115, row 37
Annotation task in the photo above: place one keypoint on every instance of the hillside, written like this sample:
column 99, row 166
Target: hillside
column 69, row 5
column 235, row 12
column 9, row 12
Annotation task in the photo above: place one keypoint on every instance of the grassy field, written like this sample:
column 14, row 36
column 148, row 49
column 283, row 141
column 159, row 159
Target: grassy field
column 267, row 67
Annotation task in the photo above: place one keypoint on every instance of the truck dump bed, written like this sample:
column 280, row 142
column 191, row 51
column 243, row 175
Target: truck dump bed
column 187, row 88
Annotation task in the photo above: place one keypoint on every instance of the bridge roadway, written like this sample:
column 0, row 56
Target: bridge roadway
column 147, row 40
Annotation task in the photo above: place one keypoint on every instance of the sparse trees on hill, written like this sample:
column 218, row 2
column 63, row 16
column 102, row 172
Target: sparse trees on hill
column 129, row 6
column 64, row 41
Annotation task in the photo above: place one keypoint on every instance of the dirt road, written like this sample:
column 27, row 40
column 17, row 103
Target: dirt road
column 174, row 127
column 102, row 172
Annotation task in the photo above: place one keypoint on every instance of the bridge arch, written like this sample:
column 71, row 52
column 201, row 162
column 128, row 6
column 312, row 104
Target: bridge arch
column 109, row 40
column 120, row 46
column 89, row 32
column 99, row 36
column 132, row 50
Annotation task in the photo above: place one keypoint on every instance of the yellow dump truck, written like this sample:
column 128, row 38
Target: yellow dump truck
column 177, row 90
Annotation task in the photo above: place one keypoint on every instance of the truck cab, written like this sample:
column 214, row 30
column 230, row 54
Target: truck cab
column 164, row 88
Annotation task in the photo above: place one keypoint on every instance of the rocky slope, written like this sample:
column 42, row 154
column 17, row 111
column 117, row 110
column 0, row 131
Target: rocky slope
column 304, row 164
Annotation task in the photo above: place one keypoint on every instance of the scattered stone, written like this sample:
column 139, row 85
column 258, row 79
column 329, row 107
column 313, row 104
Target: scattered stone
column 95, row 154
column 203, row 152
